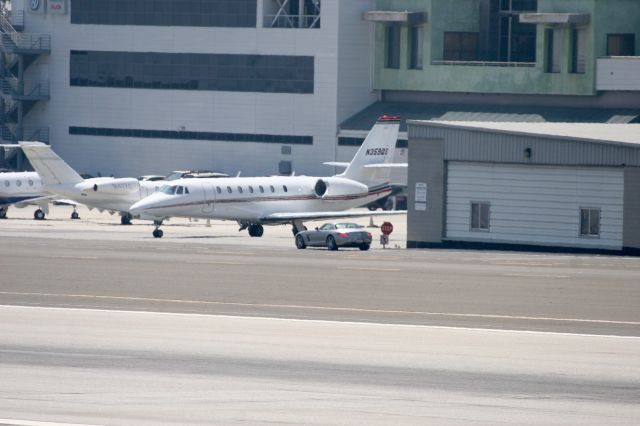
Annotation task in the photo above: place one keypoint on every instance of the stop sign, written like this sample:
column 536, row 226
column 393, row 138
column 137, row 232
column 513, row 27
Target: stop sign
column 386, row 228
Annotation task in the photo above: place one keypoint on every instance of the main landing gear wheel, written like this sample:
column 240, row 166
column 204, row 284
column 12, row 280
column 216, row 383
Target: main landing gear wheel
column 38, row 215
column 75, row 215
column 125, row 219
column 3, row 213
column 300, row 242
column 331, row 243
column 256, row 230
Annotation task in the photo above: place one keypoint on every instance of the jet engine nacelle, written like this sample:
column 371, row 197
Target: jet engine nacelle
column 111, row 186
column 338, row 187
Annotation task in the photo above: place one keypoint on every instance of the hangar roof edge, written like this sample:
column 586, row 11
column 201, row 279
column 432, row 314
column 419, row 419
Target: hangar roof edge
column 627, row 134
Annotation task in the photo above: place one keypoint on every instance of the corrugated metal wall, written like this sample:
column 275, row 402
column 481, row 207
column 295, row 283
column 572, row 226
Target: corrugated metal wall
column 474, row 145
column 535, row 204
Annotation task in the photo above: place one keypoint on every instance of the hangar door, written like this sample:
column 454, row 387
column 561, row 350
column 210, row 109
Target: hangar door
column 540, row 205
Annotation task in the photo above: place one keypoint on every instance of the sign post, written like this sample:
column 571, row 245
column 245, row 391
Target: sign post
column 386, row 228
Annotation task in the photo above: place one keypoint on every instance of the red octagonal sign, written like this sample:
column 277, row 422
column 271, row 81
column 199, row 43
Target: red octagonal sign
column 386, row 228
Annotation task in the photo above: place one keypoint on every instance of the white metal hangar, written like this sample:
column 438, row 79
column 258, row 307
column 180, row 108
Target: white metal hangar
column 532, row 186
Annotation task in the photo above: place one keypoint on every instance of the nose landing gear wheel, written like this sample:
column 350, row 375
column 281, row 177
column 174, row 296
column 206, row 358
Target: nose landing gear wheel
column 157, row 233
column 75, row 215
column 38, row 215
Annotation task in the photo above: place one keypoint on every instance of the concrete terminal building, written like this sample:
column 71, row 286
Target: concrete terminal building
column 142, row 87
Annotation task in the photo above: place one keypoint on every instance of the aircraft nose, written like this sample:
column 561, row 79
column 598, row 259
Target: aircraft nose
column 137, row 208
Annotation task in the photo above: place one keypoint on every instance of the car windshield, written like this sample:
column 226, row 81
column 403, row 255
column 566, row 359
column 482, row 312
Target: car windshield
column 347, row 225
column 169, row 189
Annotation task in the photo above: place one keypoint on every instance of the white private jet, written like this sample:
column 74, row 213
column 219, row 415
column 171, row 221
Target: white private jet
column 257, row 201
column 103, row 193
column 21, row 189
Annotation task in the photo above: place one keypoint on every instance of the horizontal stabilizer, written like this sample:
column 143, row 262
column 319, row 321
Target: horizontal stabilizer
column 288, row 217
column 387, row 166
column 336, row 164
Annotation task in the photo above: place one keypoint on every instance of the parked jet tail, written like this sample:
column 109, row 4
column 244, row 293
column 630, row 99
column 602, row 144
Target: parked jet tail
column 372, row 163
column 51, row 168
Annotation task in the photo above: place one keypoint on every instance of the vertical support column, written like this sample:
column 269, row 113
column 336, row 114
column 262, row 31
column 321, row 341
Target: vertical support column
column 20, row 161
column 426, row 221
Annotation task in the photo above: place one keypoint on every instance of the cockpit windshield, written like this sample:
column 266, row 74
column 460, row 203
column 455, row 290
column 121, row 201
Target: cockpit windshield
column 169, row 189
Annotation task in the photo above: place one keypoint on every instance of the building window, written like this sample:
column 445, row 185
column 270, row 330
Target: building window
column 589, row 222
column 517, row 42
column 392, row 46
column 416, row 34
column 578, row 41
column 621, row 44
column 460, row 46
column 192, row 71
column 291, row 13
column 188, row 135
column 480, row 216
column 553, row 41
column 175, row 13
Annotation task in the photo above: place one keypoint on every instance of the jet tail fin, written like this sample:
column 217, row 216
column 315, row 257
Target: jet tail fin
column 51, row 168
column 377, row 149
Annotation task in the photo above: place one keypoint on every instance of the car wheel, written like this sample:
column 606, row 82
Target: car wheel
column 331, row 243
column 300, row 242
column 364, row 247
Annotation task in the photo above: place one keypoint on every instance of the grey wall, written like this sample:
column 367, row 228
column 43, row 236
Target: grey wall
column 426, row 164
column 631, row 234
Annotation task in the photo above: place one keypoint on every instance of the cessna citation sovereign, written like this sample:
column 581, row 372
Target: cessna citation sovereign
column 257, row 201
column 103, row 193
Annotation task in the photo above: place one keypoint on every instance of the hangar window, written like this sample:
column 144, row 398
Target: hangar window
column 589, row 222
column 480, row 216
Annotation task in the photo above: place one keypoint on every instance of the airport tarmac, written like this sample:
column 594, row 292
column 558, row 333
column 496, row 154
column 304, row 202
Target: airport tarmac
column 103, row 324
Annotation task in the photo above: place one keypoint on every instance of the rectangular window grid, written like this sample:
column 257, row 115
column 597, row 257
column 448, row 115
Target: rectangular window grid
column 175, row 13
column 193, row 71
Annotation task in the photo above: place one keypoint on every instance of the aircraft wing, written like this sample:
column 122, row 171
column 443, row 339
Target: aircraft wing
column 35, row 200
column 288, row 217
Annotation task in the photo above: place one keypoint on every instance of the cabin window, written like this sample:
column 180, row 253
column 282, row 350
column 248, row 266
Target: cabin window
column 7, row 183
column 261, row 188
column 251, row 189
column 229, row 189
column 284, row 188
column 239, row 189
column 18, row 183
column 218, row 190
column 272, row 188
column 30, row 182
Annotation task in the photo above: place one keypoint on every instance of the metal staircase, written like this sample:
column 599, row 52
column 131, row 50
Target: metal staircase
column 17, row 95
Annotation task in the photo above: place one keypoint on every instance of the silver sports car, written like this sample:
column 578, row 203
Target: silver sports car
column 334, row 235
